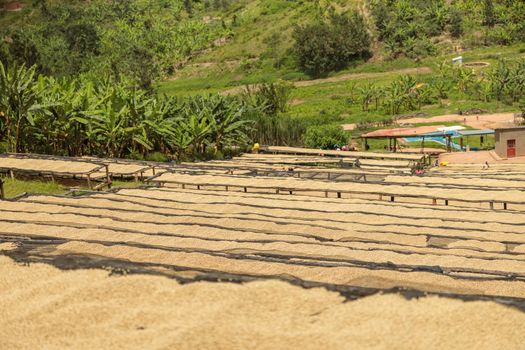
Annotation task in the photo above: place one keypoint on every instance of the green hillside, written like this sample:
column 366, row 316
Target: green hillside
column 401, row 66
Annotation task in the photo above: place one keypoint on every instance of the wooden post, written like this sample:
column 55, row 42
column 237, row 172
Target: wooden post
column 291, row 192
column 198, row 187
column 380, row 197
column 227, row 188
column 491, row 205
column 326, row 194
column 2, row 193
column 153, row 170
column 89, row 181
column 245, row 189
column 183, row 186
column 108, row 178
column 504, row 206
column 338, row 194
column 329, row 176
column 12, row 174
column 277, row 191
column 434, row 201
column 392, row 199
column 446, row 201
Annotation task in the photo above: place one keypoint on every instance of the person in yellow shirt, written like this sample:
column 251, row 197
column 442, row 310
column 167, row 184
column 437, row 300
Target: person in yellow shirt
column 256, row 148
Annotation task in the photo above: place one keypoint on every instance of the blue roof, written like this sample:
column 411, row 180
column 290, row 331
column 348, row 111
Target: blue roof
column 476, row 132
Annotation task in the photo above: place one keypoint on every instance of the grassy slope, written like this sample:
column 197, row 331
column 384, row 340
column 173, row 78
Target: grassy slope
column 244, row 60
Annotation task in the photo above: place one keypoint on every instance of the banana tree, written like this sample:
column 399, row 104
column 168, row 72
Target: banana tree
column 19, row 101
column 198, row 129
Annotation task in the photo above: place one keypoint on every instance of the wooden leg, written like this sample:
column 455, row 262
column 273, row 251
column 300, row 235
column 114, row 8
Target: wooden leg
column 89, row 181
column 2, row 193
column 12, row 174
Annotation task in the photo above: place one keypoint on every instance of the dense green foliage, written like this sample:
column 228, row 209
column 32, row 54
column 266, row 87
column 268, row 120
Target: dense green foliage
column 142, row 40
column 325, row 136
column 505, row 83
column 79, row 116
column 330, row 45
column 408, row 27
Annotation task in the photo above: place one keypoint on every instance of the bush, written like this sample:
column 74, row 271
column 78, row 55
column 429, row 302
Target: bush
column 324, row 47
column 325, row 136
column 156, row 157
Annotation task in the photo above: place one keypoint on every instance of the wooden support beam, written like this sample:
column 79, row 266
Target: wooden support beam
column 446, row 201
column 89, row 181
column 326, row 194
column 338, row 194
column 12, row 174
column 2, row 193
column 392, row 199
column 108, row 176
column 504, row 206
column 245, row 189
column 491, row 205
column 434, row 201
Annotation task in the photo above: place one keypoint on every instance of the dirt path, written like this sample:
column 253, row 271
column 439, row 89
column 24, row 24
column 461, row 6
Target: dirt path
column 479, row 157
column 343, row 77
column 482, row 121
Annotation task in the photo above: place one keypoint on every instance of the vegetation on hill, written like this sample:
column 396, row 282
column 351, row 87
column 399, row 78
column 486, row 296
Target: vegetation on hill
column 382, row 58
column 109, row 118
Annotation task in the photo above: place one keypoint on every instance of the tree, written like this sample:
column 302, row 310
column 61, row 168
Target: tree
column 19, row 101
column 325, row 136
column 331, row 45
column 489, row 18
column 272, row 98
column 455, row 23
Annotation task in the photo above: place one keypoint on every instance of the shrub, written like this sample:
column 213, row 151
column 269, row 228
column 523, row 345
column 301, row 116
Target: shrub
column 325, row 136
column 157, row 157
column 329, row 46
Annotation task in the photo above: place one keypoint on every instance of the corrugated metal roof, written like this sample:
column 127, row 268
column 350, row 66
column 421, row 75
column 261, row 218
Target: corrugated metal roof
column 476, row 132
